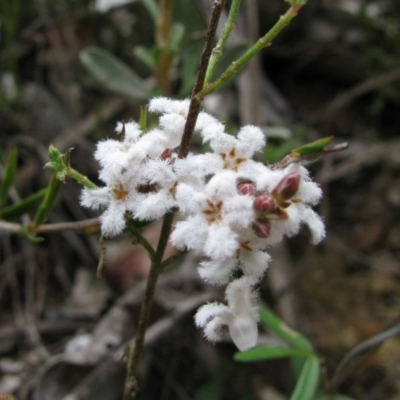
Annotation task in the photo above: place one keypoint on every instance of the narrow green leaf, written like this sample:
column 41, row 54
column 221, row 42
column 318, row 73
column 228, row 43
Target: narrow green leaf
column 145, row 56
column 152, row 8
column 24, row 232
column 176, row 35
column 113, row 74
column 143, row 119
column 335, row 397
column 10, row 169
column 269, row 352
column 307, row 384
column 45, row 208
column 317, row 146
column 23, row 206
column 273, row 322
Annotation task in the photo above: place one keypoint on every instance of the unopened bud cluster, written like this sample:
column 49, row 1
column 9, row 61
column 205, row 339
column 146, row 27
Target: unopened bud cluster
column 230, row 208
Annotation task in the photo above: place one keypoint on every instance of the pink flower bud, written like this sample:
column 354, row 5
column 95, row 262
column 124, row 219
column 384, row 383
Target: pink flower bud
column 166, row 154
column 246, row 188
column 286, row 188
column 264, row 204
column 261, row 227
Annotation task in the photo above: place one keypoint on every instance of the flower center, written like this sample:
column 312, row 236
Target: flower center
column 231, row 161
column 120, row 193
column 213, row 212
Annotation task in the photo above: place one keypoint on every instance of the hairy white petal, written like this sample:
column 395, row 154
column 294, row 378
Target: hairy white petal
column 255, row 263
column 95, row 198
column 208, row 311
column 243, row 330
column 221, row 242
column 252, row 139
column 214, row 329
column 112, row 220
column 217, row 272
column 314, row 222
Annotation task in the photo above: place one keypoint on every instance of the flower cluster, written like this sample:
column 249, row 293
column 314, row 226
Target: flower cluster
column 230, row 207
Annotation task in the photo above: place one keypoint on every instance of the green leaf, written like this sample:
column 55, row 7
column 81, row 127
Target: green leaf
column 53, row 188
column 152, row 8
column 307, row 384
column 10, row 169
column 23, row 206
column 273, row 322
column 314, row 147
column 113, row 74
column 54, row 154
column 176, row 35
column 145, row 56
column 269, row 352
column 334, row 397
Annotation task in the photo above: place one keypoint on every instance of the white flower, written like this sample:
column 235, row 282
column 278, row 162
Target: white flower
column 249, row 258
column 234, row 153
column 240, row 315
column 230, row 207
column 214, row 217
column 117, row 198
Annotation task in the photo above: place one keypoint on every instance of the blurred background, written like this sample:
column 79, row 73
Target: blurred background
column 69, row 70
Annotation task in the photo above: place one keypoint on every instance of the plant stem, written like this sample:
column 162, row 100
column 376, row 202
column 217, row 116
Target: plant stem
column 83, row 180
column 195, row 101
column 163, row 39
column 141, row 239
column 266, row 40
column 131, row 385
column 218, row 49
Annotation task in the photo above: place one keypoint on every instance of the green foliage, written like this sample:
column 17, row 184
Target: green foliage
column 47, row 205
column 7, row 181
column 57, row 163
column 24, row 206
column 152, row 8
column 318, row 146
column 113, row 74
column 300, row 349
column 274, row 323
column 268, row 353
column 307, row 384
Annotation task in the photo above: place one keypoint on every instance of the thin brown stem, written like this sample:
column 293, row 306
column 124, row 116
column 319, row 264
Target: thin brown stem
column 131, row 385
column 86, row 226
column 195, row 102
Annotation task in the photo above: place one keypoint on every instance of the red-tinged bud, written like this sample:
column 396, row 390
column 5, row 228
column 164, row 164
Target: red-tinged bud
column 264, row 205
column 166, row 154
column 246, row 188
column 261, row 227
column 286, row 188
